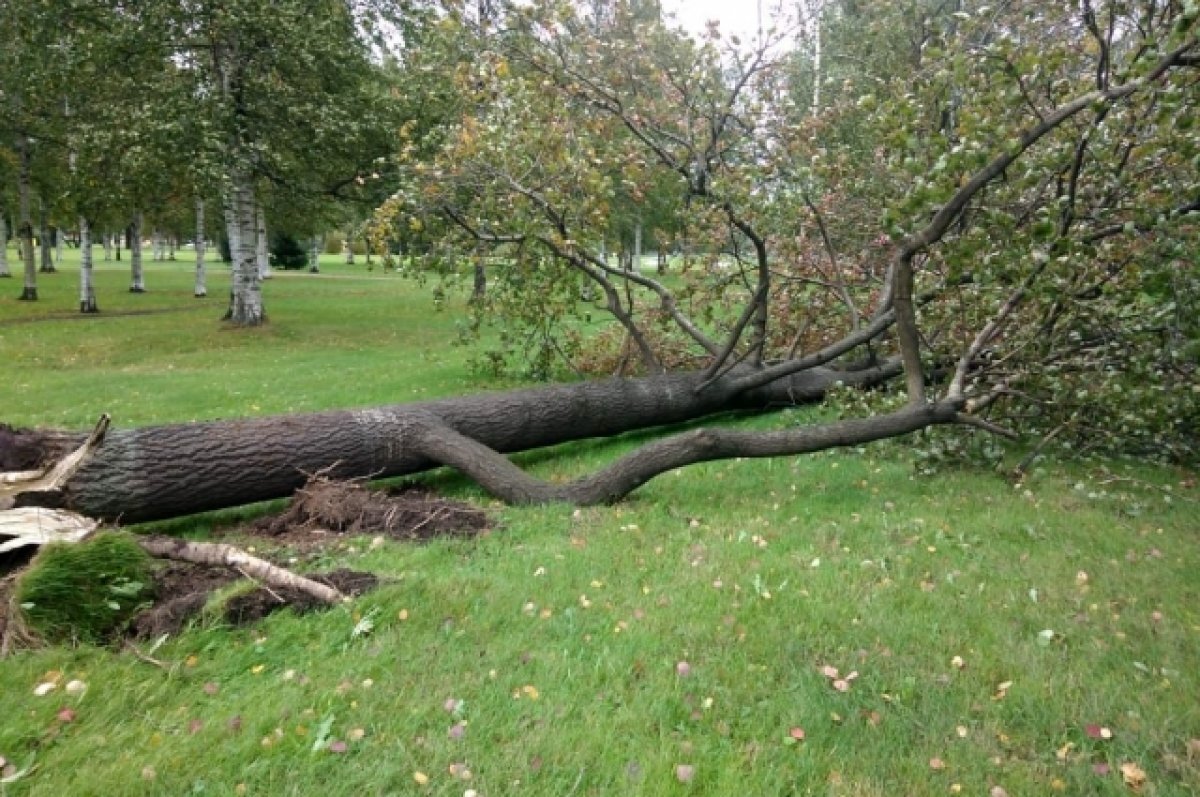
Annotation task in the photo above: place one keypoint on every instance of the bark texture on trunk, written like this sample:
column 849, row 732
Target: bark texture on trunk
column 167, row 471
column 260, row 242
column 201, row 289
column 245, row 301
column 138, row 283
column 25, row 220
column 87, row 288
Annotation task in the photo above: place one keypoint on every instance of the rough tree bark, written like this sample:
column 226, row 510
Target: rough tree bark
column 201, row 289
column 25, row 220
column 166, row 471
column 87, row 287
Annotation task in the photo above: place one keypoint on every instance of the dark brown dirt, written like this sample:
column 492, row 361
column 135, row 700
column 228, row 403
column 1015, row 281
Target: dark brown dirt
column 182, row 590
column 30, row 449
column 325, row 508
column 262, row 601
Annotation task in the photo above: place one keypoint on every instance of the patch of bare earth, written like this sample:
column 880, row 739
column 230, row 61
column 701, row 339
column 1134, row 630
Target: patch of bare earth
column 324, row 511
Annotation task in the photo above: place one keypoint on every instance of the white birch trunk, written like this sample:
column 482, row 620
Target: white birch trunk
column 138, row 284
column 107, row 239
column 156, row 245
column 87, row 289
column 4, row 272
column 25, row 223
column 314, row 253
column 260, row 244
column 201, row 277
column 246, row 305
column 349, row 246
column 59, row 240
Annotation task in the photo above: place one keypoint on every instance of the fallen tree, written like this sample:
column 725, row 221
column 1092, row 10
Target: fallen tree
column 964, row 344
column 165, row 471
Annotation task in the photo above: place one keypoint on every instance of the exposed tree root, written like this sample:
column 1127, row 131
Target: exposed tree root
column 220, row 554
column 325, row 504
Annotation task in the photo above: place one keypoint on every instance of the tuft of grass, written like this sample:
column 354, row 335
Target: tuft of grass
column 84, row 592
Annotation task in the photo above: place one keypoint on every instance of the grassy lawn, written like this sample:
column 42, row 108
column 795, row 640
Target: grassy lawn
column 1040, row 639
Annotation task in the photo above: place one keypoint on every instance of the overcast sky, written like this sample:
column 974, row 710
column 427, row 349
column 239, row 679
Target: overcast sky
column 737, row 17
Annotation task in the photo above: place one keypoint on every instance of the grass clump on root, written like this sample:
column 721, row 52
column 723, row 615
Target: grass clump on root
column 84, row 592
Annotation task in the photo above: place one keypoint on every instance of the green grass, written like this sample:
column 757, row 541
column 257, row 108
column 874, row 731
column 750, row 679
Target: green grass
column 756, row 573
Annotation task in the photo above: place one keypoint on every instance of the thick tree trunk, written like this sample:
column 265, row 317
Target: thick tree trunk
column 166, row 471
column 87, row 288
column 138, row 284
column 314, row 253
column 25, row 221
column 246, row 306
column 201, row 289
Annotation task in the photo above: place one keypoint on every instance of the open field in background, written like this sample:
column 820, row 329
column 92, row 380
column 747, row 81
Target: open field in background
column 1040, row 639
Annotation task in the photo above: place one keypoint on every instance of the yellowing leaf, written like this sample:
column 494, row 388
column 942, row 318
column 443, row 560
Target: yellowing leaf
column 1133, row 775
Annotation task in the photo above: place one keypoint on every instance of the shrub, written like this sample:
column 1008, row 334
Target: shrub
column 287, row 252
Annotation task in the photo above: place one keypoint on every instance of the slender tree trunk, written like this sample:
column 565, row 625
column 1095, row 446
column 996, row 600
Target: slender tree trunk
column 106, row 238
column 637, row 247
column 349, row 246
column 117, row 238
column 4, row 272
column 46, row 240
column 314, row 253
column 479, row 290
column 87, row 289
column 201, row 277
column 25, row 221
column 60, row 236
column 156, row 245
column 135, row 255
column 260, row 242
column 171, row 247
column 246, row 306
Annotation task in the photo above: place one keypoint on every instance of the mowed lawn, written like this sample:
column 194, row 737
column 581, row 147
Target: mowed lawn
column 987, row 638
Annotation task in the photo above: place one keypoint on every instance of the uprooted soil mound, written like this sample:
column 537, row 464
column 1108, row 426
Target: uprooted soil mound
column 324, row 506
column 182, row 590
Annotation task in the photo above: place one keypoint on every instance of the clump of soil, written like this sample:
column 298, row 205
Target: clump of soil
column 325, row 506
column 181, row 591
